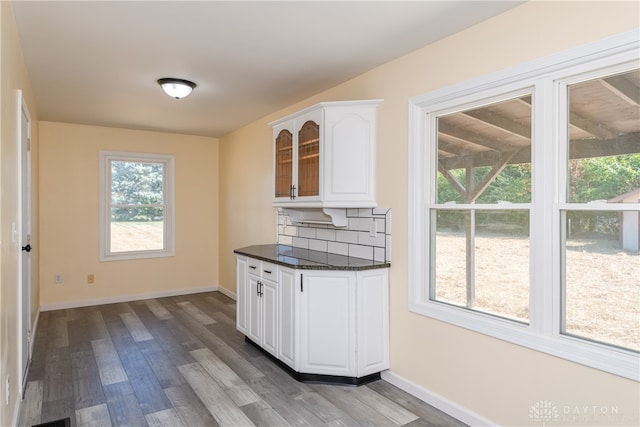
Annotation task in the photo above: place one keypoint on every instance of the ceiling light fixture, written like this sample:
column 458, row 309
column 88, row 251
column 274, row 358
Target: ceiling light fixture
column 176, row 88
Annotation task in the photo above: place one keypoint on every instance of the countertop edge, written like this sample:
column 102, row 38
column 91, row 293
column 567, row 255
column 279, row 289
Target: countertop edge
column 315, row 266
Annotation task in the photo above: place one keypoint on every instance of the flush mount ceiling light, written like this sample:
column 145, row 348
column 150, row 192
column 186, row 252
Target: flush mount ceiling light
column 176, row 88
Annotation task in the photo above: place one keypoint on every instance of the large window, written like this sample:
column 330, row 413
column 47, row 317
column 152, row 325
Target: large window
column 600, row 235
column 136, row 206
column 525, row 205
column 479, row 230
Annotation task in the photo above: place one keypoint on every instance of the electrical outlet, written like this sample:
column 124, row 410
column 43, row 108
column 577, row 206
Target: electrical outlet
column 57, row 278
column 90, row 279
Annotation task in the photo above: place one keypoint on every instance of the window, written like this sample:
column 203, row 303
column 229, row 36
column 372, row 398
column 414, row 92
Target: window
column 524, row 205
column 600, row 262
column 479, row 230
column 136, row 206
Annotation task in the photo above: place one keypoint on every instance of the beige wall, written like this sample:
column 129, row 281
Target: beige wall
column 494, row 379
column 69, row 200
column 14, row 77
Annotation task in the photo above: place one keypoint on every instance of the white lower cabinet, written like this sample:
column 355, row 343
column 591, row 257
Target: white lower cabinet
column 261, row 305
column 327, row 323
column 317, row 322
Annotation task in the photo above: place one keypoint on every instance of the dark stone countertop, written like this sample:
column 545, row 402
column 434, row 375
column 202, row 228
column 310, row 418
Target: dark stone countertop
column 306, row 259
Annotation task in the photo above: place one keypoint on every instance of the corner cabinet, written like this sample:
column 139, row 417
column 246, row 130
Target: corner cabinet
column 325, row 156
column 330, row 326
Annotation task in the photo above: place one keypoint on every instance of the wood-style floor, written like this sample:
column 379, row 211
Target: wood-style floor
column 179, row 361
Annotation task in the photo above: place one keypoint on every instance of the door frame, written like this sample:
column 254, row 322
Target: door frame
column 24, row 330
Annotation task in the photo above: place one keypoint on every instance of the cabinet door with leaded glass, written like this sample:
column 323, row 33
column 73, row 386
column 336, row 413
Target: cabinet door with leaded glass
column 283, row 181
column 308, row 155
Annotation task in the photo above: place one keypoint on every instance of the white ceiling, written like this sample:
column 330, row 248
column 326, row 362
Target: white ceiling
column 97, row 62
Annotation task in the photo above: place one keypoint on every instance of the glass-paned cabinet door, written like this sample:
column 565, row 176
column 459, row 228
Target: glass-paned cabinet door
column 284, row 163
column 308, row 159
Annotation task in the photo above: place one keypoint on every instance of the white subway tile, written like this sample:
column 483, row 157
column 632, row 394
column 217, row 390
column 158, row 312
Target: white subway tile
column 347, row 236
column 365, row 239
column 285, row 240
column 318, row 245
column 359, row 251
column 338, row 248
column 388, row 248
column 365, row 213
column 379, row 254
column 291, row 231
column 380, row 211
column 387, row 227
column 325, row 234
column 300, row 243
column 359, row 224
column 381, row 226
column 352, row 212
column 309, row 233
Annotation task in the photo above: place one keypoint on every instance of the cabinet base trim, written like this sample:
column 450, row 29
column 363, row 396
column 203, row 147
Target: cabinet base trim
column 316, row 378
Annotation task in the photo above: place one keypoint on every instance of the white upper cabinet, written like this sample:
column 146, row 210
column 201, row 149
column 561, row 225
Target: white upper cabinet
column 325, row 156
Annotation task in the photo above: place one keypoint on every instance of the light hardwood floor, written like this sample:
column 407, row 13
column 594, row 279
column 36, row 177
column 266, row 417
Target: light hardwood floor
column 179, row 361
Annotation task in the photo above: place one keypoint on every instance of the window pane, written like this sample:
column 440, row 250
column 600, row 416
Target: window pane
column 137, row 229
column 284, row 163
column 602, row 277
column 309, row 159
column 136, row 183
column 484, row 154
column 482, row 261
column 604, row 139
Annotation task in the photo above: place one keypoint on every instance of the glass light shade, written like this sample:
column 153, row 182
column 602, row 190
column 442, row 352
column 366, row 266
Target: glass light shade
column 176, row 88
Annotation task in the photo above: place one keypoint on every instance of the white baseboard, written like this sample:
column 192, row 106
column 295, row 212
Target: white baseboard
column 127, row 298
column 228, row 293
column 445, row 405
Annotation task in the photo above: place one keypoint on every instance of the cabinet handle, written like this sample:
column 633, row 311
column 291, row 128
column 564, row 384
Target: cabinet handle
column 261, row 285
column 258, row 288
column 293, row 192
column 267, row 271
column 301, row 280
column 253, row 267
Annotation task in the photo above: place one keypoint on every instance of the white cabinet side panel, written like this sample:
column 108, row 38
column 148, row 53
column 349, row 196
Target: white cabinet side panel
column 287, row 319
column 373, row 321
column 241, row 294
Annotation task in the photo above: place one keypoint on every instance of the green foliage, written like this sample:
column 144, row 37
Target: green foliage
column 513, row 184
column 602, row 178
column 598, row 178
column 134, row 185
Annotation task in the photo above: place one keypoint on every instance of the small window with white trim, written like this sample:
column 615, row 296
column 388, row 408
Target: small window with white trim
column 136, row 206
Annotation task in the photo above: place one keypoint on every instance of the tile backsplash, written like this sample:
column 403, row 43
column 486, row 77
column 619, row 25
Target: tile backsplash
column 367, row 234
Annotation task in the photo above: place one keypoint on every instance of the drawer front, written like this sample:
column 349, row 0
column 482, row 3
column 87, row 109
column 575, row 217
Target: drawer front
column 254, row 266
column 269, row 271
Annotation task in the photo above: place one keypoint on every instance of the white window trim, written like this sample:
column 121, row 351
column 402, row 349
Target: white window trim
column 106, row 157
column 545, row 76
